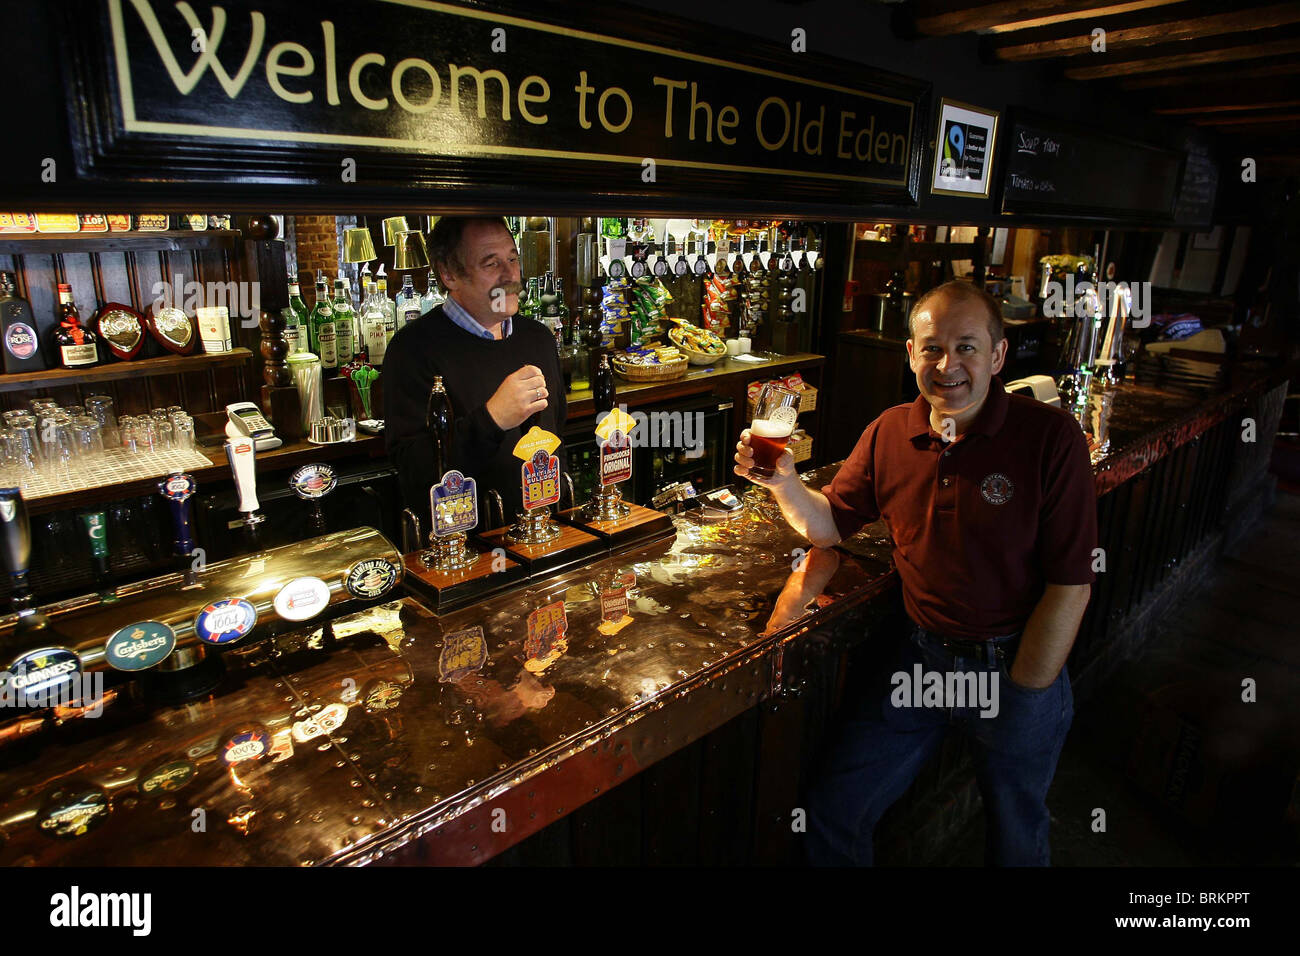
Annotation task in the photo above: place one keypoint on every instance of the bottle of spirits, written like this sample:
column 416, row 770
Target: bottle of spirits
column 603, row 395
column 561, row 303
column 323, row 336
column 408, row 303
column 433, row 296
column 528, row 309
column 345, row 335
column 296, row 318
column 374, row 325
column 581, row 360
column 550, row 310
column 76, row 346
column 22, row 350
column 386, row 303
column 568, row 355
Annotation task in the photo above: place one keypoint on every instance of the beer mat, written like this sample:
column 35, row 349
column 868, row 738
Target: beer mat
column 749, row 357
column 117, row 466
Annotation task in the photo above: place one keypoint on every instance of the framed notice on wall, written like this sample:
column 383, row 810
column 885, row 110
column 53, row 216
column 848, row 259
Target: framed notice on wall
column 963, row 154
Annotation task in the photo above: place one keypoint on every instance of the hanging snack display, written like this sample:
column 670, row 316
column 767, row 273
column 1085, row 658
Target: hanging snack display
column 720, row 293
column 614, row 306
column 648, row 298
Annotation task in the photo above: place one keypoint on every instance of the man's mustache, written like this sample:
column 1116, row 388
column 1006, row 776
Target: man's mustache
column 509, row 288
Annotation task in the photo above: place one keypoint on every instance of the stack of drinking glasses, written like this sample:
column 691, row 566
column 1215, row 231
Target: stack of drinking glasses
column 48, row 447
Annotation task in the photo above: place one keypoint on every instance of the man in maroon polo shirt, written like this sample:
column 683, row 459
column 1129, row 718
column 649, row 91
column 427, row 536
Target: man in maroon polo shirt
column 990, row 501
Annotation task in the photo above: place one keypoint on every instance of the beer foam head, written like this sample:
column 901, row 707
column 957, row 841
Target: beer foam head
column 768, row 428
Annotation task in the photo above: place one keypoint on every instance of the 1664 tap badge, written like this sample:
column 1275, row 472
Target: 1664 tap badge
column 454, row 504
column 224, row 621
column 541, row 481
column 615, row 459
column 463, row 653
column 72, row 811
column 313, row 481
column 140, row 645
column 177, row 487
column 42, row 677
column 371, row 578
column 252, row 742
column 302, row 598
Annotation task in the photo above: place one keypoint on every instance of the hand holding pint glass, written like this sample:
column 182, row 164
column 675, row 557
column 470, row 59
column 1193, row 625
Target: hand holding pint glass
column 769, row 433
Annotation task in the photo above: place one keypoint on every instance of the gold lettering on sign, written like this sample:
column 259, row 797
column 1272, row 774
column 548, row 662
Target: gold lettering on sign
column 526, row 98
column 758, row 122
column 669, row 86
column 479, row 76
column 185, row 82
column 414, row 62
column 354, row 81
column 274, row 68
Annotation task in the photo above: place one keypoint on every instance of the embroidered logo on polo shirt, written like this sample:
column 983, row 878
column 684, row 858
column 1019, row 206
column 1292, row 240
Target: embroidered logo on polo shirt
column 997, row 489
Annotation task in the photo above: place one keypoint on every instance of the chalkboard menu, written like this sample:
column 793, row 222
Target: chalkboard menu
column 1069, row 171
column 1195, row 205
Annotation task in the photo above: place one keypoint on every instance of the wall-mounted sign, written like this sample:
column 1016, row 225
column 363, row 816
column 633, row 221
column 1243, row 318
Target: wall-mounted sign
column 963, row 150
column 1056, row 168
column 407, row 94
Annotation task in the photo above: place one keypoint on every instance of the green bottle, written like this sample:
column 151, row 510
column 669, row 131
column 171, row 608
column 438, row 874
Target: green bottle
column 323, row 336
column 296, row 318
column 344, row 321
column 530, row 308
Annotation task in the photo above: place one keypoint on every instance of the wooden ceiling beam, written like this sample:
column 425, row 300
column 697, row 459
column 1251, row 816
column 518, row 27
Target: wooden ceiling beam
column 1253, row 123
column 938, row 18
column 1184, row 61
column 1211, row 78
column 1154, row 32
column 1235, row 107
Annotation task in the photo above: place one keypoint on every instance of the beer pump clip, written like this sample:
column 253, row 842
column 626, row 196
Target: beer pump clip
column 312, row 483
column 453, row 505
column 614, row 461
column 541, row 488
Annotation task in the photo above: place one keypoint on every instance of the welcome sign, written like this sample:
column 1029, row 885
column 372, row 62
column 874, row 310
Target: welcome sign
column 417, row 93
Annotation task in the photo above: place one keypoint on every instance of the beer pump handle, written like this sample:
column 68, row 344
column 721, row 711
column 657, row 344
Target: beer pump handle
column 411, row 540
column 495, row 508
column 178, row 503
column 17, row 532
column 239, row 452
column 568, row 495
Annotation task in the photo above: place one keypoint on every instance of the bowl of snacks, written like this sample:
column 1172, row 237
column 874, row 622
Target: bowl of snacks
column 651, row 364
column 701, row 346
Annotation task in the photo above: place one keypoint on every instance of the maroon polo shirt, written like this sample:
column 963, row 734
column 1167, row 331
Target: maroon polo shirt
column 979, row 525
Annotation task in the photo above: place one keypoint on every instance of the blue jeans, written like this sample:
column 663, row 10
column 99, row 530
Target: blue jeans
column 887, row 739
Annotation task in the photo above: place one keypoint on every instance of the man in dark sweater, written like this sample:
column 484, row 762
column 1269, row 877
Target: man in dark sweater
column 502, row 374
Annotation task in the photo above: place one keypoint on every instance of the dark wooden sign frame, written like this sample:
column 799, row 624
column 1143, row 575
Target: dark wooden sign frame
column 137, row 138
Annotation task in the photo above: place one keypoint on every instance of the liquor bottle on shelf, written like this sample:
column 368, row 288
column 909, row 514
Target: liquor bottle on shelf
column 561, row 305
column 408, row 303
column 568, row 357
column 385, row 300
column 529, row 308
column 22, row 349
column 550, row 310
column 374, row 326
column 96, row 526
column 603, row 394
column 324, row 338
column 433, row 296
column 345, row 336
column 75, row 345
column 296, row 318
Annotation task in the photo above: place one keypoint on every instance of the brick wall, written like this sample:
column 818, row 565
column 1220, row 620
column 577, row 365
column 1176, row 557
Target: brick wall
column 317, row 249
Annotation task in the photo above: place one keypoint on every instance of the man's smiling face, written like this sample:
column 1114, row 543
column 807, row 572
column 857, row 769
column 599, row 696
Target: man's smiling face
column 954, row 357
column 489, row 289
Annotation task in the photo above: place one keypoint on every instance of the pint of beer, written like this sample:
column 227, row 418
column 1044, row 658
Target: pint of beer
column 774, row 420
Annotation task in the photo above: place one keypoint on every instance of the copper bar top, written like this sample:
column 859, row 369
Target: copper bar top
column 383, row 729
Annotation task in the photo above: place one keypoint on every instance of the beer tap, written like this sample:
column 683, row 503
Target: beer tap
column 17, row 531
column 178, row 489
column 450, row 518
column 239, row 452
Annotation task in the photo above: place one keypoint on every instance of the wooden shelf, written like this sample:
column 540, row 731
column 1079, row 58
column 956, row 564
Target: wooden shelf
column 116, row 371
column 173, row 240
